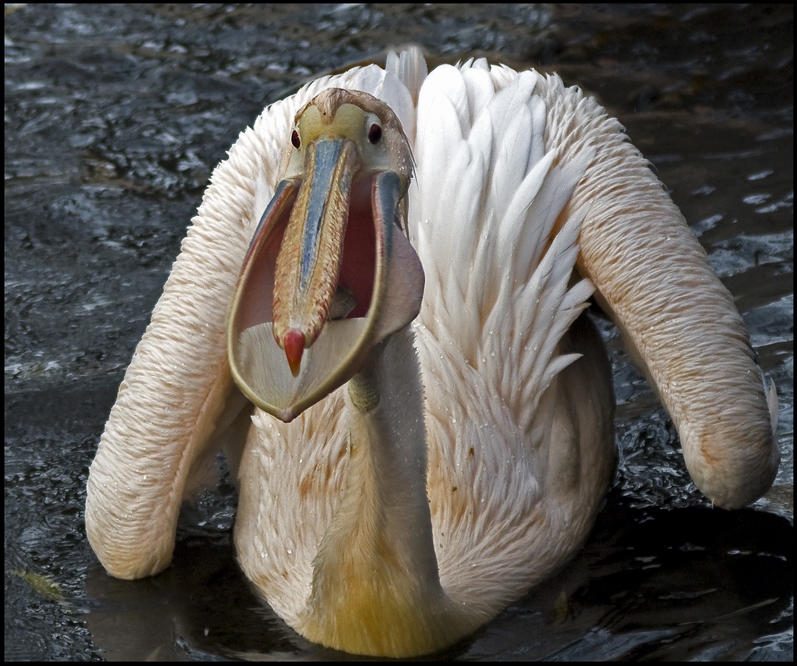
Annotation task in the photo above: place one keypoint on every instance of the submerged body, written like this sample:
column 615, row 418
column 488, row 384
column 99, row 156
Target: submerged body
column 444, row 466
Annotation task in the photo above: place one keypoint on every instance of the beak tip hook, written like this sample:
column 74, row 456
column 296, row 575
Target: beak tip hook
column 293, row 344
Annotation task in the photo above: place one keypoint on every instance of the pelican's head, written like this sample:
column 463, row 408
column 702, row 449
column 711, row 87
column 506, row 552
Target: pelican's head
column 329, row 273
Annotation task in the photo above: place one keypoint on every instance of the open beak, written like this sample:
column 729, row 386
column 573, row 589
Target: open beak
column 329, row 273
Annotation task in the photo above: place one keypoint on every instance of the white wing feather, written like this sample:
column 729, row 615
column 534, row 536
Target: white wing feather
column 487, row 199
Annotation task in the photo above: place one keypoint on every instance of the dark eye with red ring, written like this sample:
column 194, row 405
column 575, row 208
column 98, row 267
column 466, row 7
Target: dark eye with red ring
column 374, row 133
column 295, row 140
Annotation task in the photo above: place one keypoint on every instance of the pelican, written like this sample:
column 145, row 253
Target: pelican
column 378, row 312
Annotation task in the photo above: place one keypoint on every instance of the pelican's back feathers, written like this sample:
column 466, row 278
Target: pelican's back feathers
column 497, row 303
column 482, row 223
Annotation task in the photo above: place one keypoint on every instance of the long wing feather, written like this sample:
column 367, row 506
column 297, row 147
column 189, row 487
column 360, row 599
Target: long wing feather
column 410, row 68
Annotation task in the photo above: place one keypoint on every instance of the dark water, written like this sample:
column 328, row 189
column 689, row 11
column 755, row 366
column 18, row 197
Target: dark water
column 114, row 118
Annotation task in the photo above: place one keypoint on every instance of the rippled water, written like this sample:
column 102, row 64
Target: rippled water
column 115, row 116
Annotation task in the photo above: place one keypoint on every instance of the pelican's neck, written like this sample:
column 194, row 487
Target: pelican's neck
column 376, row 588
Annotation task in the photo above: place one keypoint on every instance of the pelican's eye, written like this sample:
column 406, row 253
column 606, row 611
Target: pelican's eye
column 374, row 133
column 295, row 140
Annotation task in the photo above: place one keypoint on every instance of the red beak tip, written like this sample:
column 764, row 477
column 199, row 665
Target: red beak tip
column 293, row 344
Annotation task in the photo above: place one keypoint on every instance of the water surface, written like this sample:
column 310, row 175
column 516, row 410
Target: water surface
column 115, row 117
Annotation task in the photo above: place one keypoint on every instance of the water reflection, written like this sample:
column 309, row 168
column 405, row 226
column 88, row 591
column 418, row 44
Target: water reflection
column 678, row 584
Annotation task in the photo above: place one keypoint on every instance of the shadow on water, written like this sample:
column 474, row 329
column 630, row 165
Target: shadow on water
column 115, row 117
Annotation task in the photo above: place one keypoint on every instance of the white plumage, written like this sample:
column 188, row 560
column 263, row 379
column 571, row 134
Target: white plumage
column 488, row 456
